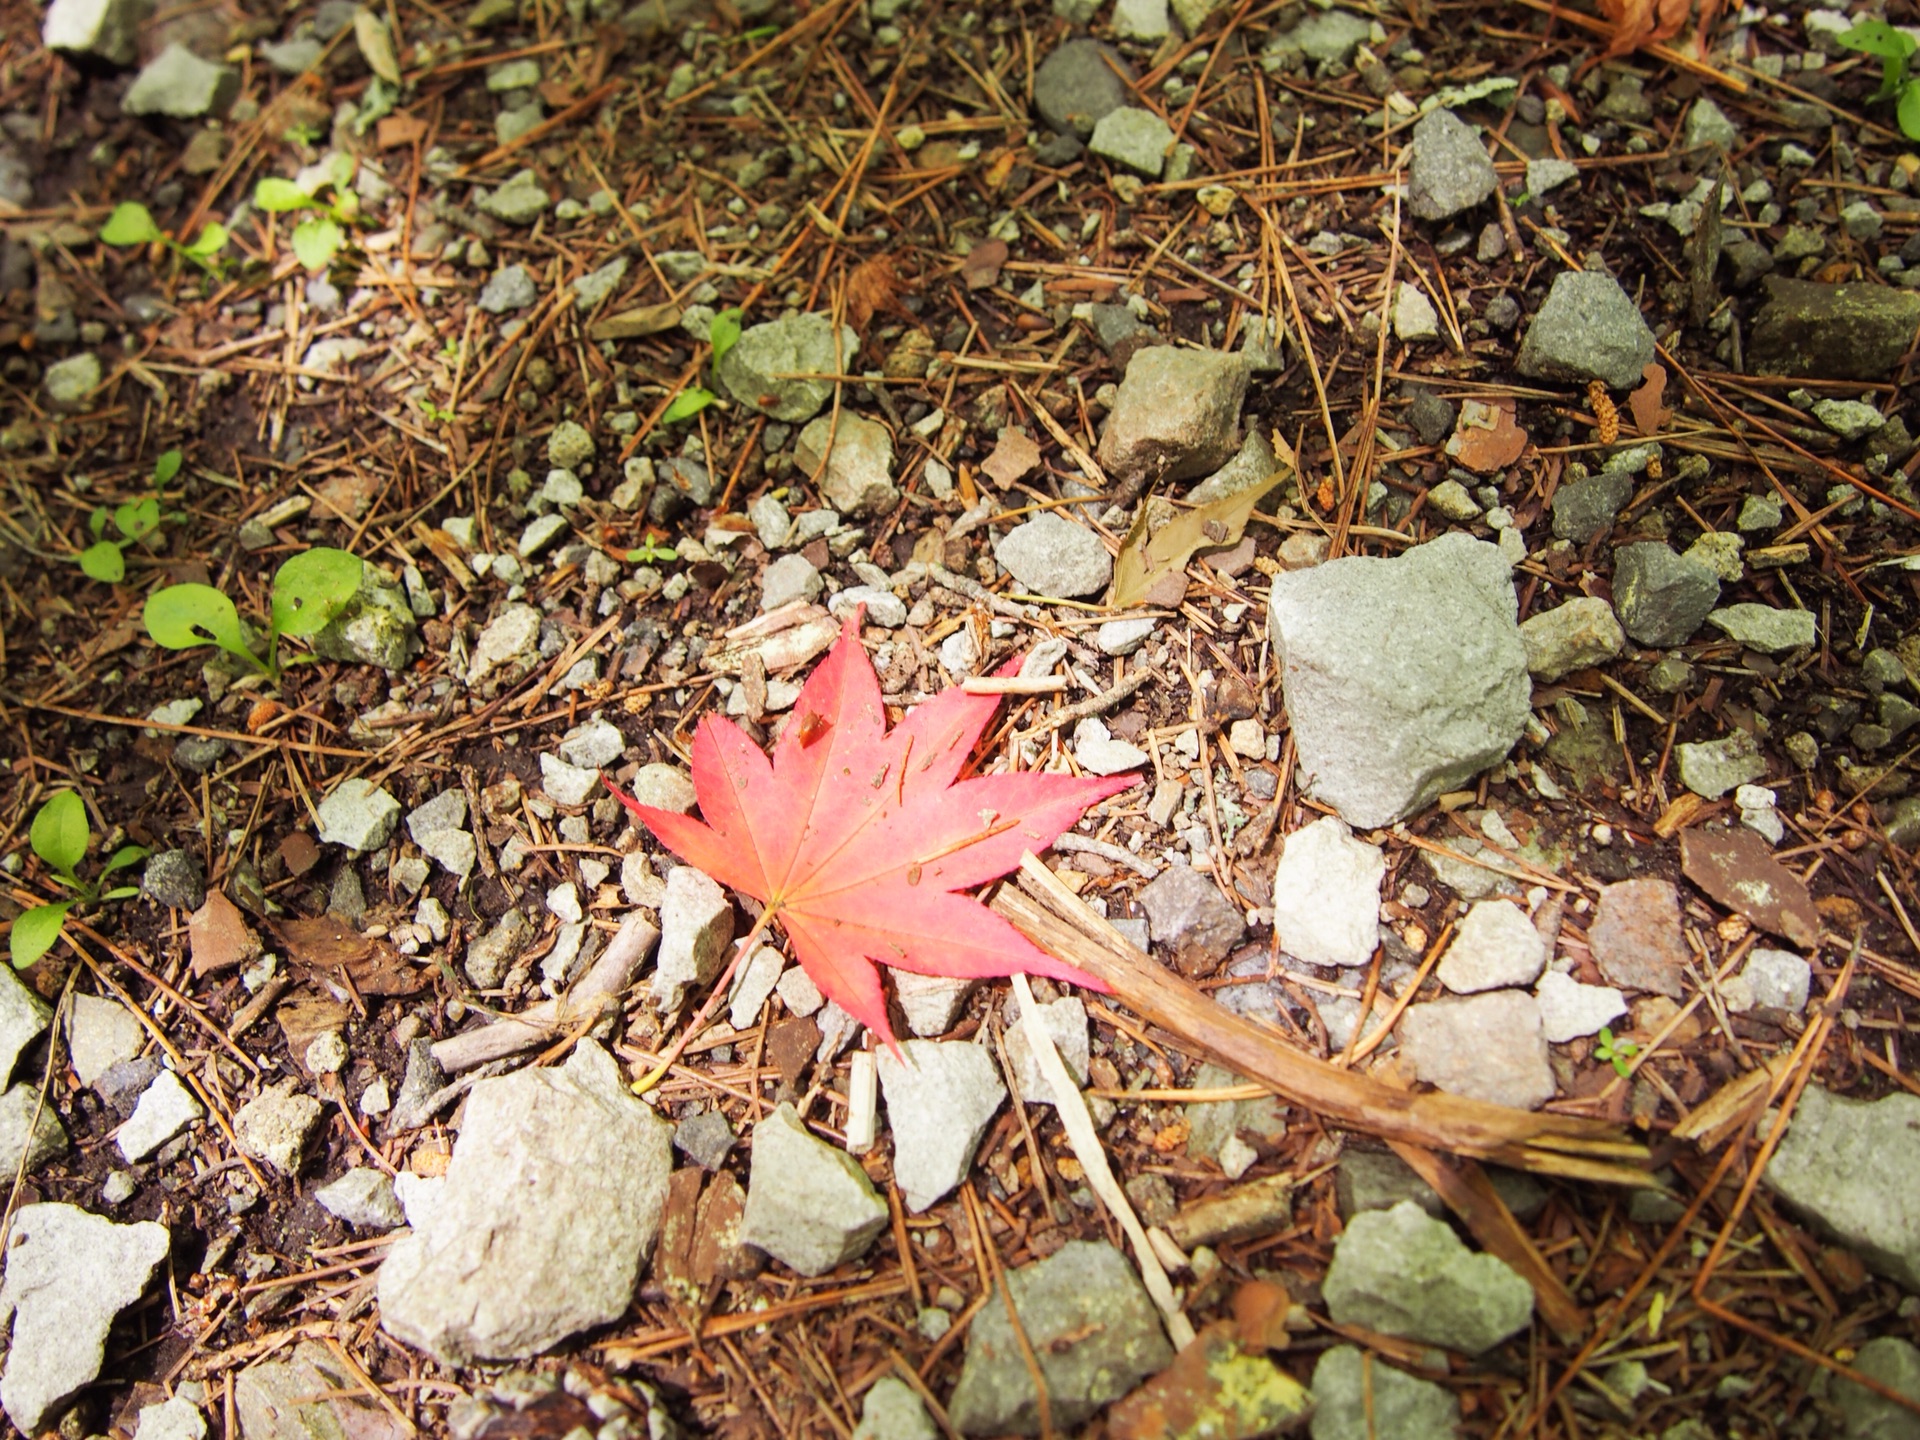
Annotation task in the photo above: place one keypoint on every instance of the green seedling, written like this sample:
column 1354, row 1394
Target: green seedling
column 131, row 223
column 1617, row 1052
column 308, row 591
column 60, row 837
column 1899, row 77
column 439, row 414
column 105, row 559
column 722, row 335
column 317, row 237
column 651, row 552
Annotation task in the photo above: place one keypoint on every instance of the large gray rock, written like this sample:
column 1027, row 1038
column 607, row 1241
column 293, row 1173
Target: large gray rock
column 178, row 83
column 1404, row 1273
column 1853, row 1168
column 68, row 1274
column 1832, row 332
column 857, row 456
column 783, row 367
column 106, row 30
column 1050, row 555
column 1588, row 329
column 1868, row 1415
column 809, row 1205
column 1326, row 895
column 1176, row 415
column 549, row 1211
column 307, row 1395
column 1356, row 1397
column 23, row 1015
column 1448, row 170
column 1078, row 84
column 1404, row 677
column 1661, row 597
column 1088, row 1322
column 1488, row 1047
column 939, row 1103
column 1187, row 913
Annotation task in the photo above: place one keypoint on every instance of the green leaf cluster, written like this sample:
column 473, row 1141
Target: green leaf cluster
column 308, row 591
column 722, row 334
column 1899, row 78
column 131, row 223
column 60, row 836
column 317, row 238
column 105, row 559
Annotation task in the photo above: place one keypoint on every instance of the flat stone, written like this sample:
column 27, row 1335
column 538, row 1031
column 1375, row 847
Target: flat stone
column 1736, row 868
column 1832, row 332
column 1050, row 555
column 1402, row 678
column 883, row 608
column 1550, row 174
column 567, row 784
column 1588, row 328
column 1707, row 124
column 1136, row 139
column 106, row 30
column 1447, row 170
column 1100, row 754
column 445, row 811
column 1635, row 937
column 1573, row 636
column 570, row 446
column 273, row 1127
column 1326, row 895
column 1569, row 1009
column 520, row 201
column 489, row 956
column 509, row 645
column 1327, row 37
column 892, row 1410
column 1065, row 1021
column 1402, row 1272
column 542, row 532
column 1852, row 1167
column 526, row 1244
column 798, row 992
column 1414, row 317
column 592, row 744
column 593, row 288
column 1849, row 419
column 1660, row 597
column 101, row 1034
column 788, row 580
column 178, row 83
column 1493, row 947
column 70, row 383
column 931, row 1003
column 307, row 1394
column 1079, row 84
column 1765, row 628
column 1176, row 415
column 1187, row 913
column 166, row 1108
column 706, row 1139
column 1141, row 20
column 696, row 926
column 1087, row 1321
column 1213, row 1390
column 858, row 457
column 359, row 815
column 1868, row 1415
column 23, row 1016
column 175, row 1419
column 754, row 984
column 809, row 1205
column 777, row 367
column 1710, row 768
column 1777, row 980
column 939, row 1103
column 508, row 288
column 30, row 1133
column 364, row 1198
column 664, row 788
column 1358, row 1397
column 1584, row 508
column 1487, row 1047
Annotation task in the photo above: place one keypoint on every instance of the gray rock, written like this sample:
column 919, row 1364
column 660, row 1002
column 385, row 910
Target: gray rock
column 359, row 815
column 706, row 1139
column 273, row 1127
column 510, row 645
column 931, row 1003
column 520, row 201
column 100, row 1035
column 696, row 925
column 1136, row 139
column 418, row 1099
column 809, row 1205
column 1635, row 936
column 1584, row 508
column 1778, row 980
column 592, row 745
column 1488, row 1047
column 1176, row 415
column 1572, row 636
column 376, row 627
column 1414, row 317
column 1100, row 754
column 595, row 286
column 541, row 534
column 567, row 784
column 1660, row 597
column 1327, row 38
column 1187, row 913
column 1433, row 419
column 1402, row 1272
column 1545, row 175
column 1494, row 946
column 1141, row 20
column 665, row 788
column 777, row 368
column 1251, row 464
column 1326, row 895
column 68, row 1275
column 489, row 956
column 1213, row 1124
column 1123, row 637
column 1356, row 1397
column 173, row 877
column 106, row 30
column 1088, row 1322
column 1832, row 332
column 526, row 1244
column 295, row 56
column 858, row 474
column 509, row 288
column 1569, row 1009
column 884, row 608
column 570, row 446
column 891, row 1410
column 305, row 1395
column 798, row 992
column 1762, row 627
column 445, row 811
column 363, row 1197
column 70, row 383
column 1050, row 555
column 1588, row 329
column 1402, row 677
column 178, row 83
column 1852, row 1167
column 1707, row 124
column 790, row 578
column 1868, row 1415
column 175, row 1419
column 28, row 1130
column 1710, row 768
column 166, row 1108
column 1849, row 419
column 939, row 1103
column 1448, row 170
column 1080, row 83
column 23, row 1015
column 1065, row 1021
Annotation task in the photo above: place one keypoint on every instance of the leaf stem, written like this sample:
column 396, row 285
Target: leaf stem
column 699, row 1022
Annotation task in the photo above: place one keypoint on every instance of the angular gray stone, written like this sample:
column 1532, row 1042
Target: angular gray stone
column 1327, row 38
column 445, row 811
column 1710, row 768
column 1832, row 332
column 789, row 579
column 106, row 30
column 306, row 1395
column 1572, row 636
column 178, row 83
column 596, row 285
column 567, row 784
column 1545, row 175
column 779, row 368
column 166, row 1108
column 1868, row 1415
column 359, row 815
column 1137, row 139
column 510, row 645
column 1359, row 1397
column 931, row 1003
column 1777, row 979
column 1326, row 895
column 1707, row 124
column 1585, row 508
column 1402, row 1272
column 858, row 458
column 1187, row 913
column 1089, row 1324
column 939, row 1103
column 696, row 925
column 570, row 446
column 509, row 288
column 592, row 744
column 706, row 1139
column 1569, row 1010
column 1852, row 1167
column 1488, row 1047
column 528, row 1244
column 1404, row 677
column 665, row 788
column 23, row 1015
column 809, row 1205
column 376, row 627
column 520, row 201
column 1448, row 170
column 1765, row 628
column 1849, row 419
column 884, row 608
column 1176, row 415
column 1050, row 555
column 28, row 1130
column 173, row 877
column 1587, row 329
column 1078, row 84
column 1660, row 597
column 363, row 1197
column 489, row 956
column 1494, row 946
column 1065, row 1021
column 175, row 1419
column 70, row 383
column 891, row 1410
column 68, row 1275
column 101, row 1034
column 274, row 1126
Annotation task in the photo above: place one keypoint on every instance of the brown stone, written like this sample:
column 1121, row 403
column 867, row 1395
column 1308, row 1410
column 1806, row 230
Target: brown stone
column 1636, row 939
column 1737, row 869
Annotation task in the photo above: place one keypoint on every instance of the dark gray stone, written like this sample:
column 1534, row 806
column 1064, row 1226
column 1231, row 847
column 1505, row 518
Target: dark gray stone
column 1077, row 85
column 1404, row 1273
column 1832, row 332
column 1187, row 913
column 173, row 877
column 1584, row 509
column 1588, row 329
column 1357, row 1397
column 1449, row 170
column 1660, row 597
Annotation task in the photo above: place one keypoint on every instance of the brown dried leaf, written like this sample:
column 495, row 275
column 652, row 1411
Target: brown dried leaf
column 1487, row 439
column 218, row 936
column 981, row 267
column 326, row 949
column 1013, row 458
column 1146, row 560
column 874, row 287
column 635, row 323
column 1650, row 417
column 1737, row 869
column 1641, row 22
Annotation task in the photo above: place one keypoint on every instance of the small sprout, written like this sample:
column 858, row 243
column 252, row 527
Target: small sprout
column 105, row 559
column 650, row 551
column 309, row 590
column 724, row 333
column 319, row 237
column 1899, row 79
column 59, row 835
column 687, row 404
column 1618, row 1052
column 132, row 224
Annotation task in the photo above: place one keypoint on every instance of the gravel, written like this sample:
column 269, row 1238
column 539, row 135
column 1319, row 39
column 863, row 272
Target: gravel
column 1588, row 329
column 1448, row 171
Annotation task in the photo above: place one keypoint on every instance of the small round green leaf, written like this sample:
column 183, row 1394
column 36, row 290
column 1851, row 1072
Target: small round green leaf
column 120, row 859
column 182, row 616
column 275, row 194
column 166, row 467
column 35, row 932
column 213, row 239
column 724, row 332
column 59, row 833
column 130, row 224
column 316, row 241
column 312, row 588
column 103, row 561
column 686, row 405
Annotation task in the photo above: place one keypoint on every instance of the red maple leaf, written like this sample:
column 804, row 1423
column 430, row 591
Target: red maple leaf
column 858, row 836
